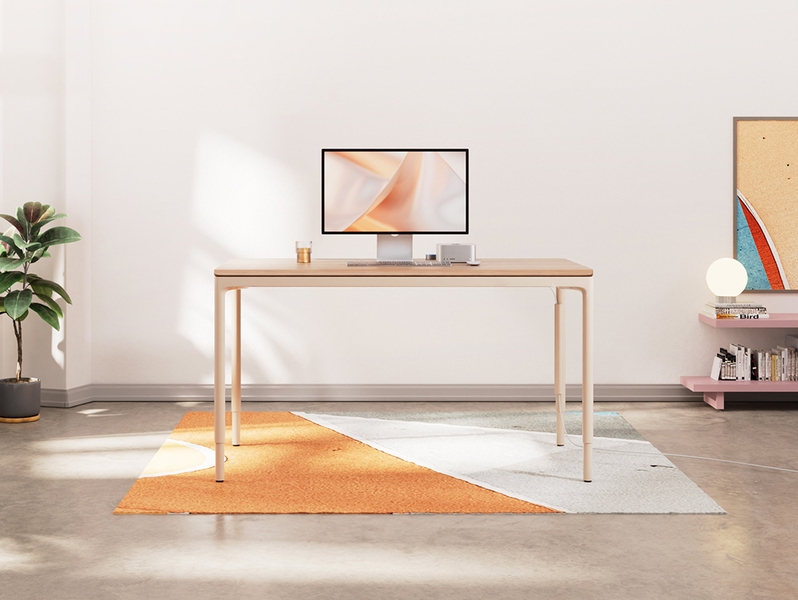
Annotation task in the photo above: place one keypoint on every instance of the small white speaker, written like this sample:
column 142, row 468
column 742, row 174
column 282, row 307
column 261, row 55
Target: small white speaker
column 457, row 253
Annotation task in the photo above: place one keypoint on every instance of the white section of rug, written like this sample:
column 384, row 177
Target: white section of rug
column 629, row 476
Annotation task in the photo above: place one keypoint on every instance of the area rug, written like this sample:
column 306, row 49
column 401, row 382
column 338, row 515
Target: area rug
column 411, row 462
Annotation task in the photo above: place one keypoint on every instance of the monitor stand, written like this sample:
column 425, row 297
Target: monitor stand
column 394, row 246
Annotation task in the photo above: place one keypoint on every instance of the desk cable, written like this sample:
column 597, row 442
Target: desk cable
column 733, row 462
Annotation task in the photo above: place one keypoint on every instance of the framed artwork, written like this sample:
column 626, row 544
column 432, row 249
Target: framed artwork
column 766, row 201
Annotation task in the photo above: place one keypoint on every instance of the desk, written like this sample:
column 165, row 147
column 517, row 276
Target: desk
column 556, row 273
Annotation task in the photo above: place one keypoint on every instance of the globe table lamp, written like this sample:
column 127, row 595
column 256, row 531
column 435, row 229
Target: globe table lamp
column 726, row 279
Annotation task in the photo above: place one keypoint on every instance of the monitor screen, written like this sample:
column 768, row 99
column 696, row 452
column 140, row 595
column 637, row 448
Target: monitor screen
column 394, row 191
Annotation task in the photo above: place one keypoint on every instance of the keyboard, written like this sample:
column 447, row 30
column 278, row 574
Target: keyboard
column 399, row 263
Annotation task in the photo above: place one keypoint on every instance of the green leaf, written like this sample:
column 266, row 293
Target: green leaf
column 20, row 243
column 9, row 279
column 11, row 243
column 37, row 283
column 38, row 255
column 58, row 235
column 33, row 211
column 34, row 231
column 25, row 233
column 14, row 222
column 47, row 212
column 47, row 314
column 41, row 291
column 9, row 264
column 17, row 303
column 51, row 303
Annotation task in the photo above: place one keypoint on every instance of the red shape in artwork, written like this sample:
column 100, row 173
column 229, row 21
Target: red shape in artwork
column 765, row 252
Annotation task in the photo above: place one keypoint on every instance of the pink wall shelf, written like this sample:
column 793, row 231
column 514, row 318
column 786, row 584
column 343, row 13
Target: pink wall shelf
column 775, row 321
column 713, row 390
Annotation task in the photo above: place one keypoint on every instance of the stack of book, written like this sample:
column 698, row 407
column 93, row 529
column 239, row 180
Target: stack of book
column 745, row 364
column 724, row 366
column 735, row 310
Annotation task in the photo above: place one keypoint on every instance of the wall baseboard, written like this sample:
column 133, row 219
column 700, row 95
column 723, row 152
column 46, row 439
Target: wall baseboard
column 362, row 393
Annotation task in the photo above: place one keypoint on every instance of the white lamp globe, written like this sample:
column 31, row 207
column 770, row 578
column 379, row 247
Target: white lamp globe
column 726, row 278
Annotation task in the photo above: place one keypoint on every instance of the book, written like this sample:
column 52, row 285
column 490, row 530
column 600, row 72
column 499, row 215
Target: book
column 724, row 366
column 755, row 365
column 736, row 315
column 743, row 361
column 736, row 305
column 746, row 364
column 717, row 363
column 713, row 307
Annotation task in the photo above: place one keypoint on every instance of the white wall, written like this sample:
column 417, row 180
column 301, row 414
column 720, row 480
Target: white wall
column 599, row 132
column 33, row 157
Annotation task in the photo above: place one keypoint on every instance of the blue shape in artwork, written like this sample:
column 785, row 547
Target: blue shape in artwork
column 748, row 255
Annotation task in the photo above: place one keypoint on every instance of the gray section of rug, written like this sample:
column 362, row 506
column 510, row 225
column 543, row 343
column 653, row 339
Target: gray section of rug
column 630, row 476
column 605, row 424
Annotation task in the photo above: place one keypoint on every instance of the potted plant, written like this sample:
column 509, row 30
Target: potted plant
column 26, row 242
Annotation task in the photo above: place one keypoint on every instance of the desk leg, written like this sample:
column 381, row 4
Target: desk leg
column 219, row 378
column 559, row 365
column 235, row 392
column 587, row 378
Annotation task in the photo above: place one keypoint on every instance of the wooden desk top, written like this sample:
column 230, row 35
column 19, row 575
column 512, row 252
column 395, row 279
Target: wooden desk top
column 325, row 267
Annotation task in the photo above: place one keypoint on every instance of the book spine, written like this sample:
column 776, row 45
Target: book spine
column 747, row 364
column 768, row 366
column 717, row 365
column 724, row 365
column 737, row 316
column 735, row 310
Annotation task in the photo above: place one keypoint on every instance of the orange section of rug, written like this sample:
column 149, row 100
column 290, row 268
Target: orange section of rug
column 287, row 464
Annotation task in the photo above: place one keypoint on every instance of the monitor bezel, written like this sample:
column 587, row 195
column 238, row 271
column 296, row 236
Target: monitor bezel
column 323, row 150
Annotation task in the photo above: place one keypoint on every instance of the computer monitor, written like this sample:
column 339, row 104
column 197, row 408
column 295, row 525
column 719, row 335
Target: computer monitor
column 394, row 194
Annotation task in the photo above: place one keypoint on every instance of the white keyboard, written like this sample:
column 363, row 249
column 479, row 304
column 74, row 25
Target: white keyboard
column 399, row 263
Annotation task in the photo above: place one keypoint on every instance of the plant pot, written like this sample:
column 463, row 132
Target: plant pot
column 20, row 401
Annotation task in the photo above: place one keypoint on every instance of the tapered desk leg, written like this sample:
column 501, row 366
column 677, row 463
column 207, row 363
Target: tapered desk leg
column 587, row 378
column 235, row 392
column 218, row 378
column 559, row 365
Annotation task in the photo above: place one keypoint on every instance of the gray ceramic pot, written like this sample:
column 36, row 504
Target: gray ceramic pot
column 20, row 399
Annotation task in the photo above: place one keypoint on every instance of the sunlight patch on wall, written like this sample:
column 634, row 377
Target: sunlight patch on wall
column 195, row 317
column 248, row 204
column 245, row 205
column 275, row 348
column 272, row 345
column 58, row 337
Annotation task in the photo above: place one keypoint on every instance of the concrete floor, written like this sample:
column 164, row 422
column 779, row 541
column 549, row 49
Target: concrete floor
column 63, row 476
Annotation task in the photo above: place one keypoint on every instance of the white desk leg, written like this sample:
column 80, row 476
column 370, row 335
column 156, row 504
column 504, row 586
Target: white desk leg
column 587, row 378
column 235, row 392
column 559, row 364
column 219, row 378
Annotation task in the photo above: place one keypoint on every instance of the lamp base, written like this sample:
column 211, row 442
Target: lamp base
column 725, row 299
